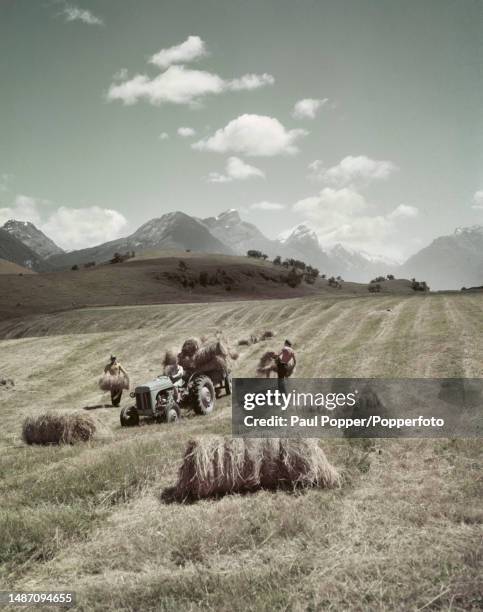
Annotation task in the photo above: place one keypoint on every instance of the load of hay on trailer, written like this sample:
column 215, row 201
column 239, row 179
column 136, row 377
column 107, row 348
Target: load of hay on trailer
column 205, row 371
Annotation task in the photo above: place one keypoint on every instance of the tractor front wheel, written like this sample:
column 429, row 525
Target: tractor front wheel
column 203, row 395
column 129, row 416
column 173, row 413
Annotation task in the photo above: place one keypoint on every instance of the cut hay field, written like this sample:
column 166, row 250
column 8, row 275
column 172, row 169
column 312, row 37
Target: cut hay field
column 403, row 533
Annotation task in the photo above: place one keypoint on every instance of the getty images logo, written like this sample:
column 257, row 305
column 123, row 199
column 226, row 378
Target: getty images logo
column 274, row 398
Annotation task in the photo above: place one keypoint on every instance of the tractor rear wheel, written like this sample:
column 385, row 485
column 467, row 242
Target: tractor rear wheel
column 203, row 395
column 129, row 416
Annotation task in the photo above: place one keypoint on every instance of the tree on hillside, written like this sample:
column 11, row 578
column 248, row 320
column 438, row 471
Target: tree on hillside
column 294, row 278
column 256, row 254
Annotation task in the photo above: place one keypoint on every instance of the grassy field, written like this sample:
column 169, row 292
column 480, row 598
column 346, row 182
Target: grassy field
column 403, row 533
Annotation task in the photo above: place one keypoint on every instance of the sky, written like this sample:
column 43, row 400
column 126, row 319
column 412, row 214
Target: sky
column 361, row 118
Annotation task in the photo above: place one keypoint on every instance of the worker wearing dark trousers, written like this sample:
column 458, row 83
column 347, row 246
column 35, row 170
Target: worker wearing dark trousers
column 116, row 397
column 119, row 374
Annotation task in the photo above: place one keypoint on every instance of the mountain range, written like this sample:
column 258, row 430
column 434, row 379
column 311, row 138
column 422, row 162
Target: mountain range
column 14, row 250
column 449, row 262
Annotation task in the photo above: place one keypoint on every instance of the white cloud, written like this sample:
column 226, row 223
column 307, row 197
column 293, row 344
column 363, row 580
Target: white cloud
column 74, row 13
column 332, row 202
column 254, row 136
column 236, row 169
column 216, row 177
column 75, row 228
column 163, row 136
column 251, row 81
column 344, row 215
column 191, row 49
column 186, row 132
column 308, row 108
column 70, row 228
column 403, row 210
column 352, row 170
column 24, row 208
column 179, row 85
column 478, row 200
column 267, row 206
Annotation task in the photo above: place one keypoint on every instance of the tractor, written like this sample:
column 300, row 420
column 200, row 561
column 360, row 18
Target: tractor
column 161, row 398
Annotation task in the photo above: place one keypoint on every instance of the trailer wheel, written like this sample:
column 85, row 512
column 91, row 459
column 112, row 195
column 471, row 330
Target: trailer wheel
column 203, row 395
column 129, row 416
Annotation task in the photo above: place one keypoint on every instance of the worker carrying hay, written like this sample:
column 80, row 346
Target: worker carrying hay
column 282, row 364
column 115, row 379
column 286, row 362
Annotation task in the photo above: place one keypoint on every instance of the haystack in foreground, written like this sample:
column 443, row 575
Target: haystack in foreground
column 215, row 466
column 51, row 428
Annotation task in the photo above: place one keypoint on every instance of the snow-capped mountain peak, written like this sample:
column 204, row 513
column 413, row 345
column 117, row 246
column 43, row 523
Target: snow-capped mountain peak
column 299, row 232
column 31, row 236
column 350, row 254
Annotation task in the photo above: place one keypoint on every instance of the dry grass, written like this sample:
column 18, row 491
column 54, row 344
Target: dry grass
column 216, row 466
column 403, row 533
column 51, row 428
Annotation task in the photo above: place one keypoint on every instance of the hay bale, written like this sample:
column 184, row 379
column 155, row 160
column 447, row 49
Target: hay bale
column 208, row 352
column 267, row 334
column 113, row 382
column 215, row 466
column 267, row 364
column 216, row 363
column 52, row 428
column 190, row 346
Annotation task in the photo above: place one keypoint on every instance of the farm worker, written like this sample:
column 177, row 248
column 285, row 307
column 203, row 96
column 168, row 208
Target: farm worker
column 115, row 369
column 285, row 358
column 174, row 370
